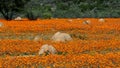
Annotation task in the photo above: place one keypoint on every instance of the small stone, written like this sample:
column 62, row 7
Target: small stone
column 1, row 24
column 101, row 20
column 18, row 19
column 86, row 22
column 61, row 37
column 70, row 20
column 47, row 49
column 37, row 38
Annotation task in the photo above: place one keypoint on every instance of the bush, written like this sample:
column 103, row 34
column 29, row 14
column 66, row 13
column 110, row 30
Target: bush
column 31, row 15
column 9, row 7
column 47, row 15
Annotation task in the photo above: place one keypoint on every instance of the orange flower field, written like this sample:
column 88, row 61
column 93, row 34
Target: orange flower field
column 95, row 44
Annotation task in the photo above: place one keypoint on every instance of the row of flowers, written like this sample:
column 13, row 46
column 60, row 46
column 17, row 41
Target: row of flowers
column 17, row 47
column 57, row 24
column 110, row 60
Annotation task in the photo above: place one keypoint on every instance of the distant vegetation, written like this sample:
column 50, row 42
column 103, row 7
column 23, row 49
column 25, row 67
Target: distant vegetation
column 60, row 8
column 8, row 8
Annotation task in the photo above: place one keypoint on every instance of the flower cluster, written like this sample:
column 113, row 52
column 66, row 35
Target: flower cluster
column 18, row 47
column 57, row 24
column 110, row 60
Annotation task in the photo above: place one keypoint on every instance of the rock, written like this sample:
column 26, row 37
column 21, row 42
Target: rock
column 18, row 19
column 47, row 49
column 101, row 20
column 70, row 20
column 37, row 38
column 1, row 24
column 61, row 37
column 86, row 22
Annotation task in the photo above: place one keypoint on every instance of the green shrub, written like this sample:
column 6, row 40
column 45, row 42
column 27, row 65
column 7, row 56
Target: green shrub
column 31, row 15
column 47, row 15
